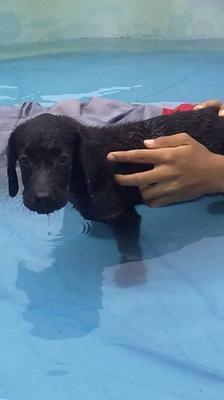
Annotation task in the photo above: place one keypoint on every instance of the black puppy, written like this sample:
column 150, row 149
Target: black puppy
column 62, row 160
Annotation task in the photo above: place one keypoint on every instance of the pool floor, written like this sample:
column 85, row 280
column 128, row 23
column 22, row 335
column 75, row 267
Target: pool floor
column 76, row 324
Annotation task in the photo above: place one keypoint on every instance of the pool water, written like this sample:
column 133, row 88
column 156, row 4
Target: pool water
column 133, row 77
column 76, row 324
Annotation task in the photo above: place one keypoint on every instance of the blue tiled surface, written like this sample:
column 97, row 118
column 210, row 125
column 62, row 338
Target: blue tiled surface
column 74, row 323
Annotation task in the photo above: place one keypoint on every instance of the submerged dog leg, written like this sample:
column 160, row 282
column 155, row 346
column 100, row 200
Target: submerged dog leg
column 132, row 270
column 126, row 229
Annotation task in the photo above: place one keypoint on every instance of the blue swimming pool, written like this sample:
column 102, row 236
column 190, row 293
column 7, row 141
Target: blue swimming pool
column 76, row 324
column 140, row 76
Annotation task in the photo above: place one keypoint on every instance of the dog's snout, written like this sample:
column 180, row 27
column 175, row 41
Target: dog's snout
column 43, row 200
column 43, row 196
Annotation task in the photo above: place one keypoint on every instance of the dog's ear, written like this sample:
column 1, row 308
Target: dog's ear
column 13, row 184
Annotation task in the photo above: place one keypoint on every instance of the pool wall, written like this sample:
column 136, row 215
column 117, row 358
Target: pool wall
column 29, row 21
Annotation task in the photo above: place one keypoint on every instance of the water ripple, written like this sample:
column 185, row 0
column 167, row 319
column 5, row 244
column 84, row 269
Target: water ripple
column 98, row 92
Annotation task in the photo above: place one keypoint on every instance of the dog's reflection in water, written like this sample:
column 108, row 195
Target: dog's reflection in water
column 65, row 298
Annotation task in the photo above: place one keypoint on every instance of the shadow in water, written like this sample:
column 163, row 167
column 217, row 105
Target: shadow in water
column 65, row 299
column 216, row 208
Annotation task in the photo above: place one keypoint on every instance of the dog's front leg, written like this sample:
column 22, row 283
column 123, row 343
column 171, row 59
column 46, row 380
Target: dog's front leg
column 132, row 270
column 126, row 229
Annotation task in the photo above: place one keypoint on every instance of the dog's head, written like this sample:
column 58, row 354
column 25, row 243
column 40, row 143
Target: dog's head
column 44, row 147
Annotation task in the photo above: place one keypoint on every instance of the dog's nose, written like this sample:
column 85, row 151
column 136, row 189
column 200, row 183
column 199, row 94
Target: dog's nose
column 42, row 198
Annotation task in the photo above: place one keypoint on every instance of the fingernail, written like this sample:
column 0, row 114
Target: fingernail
column 111, row 157
column 149, row 142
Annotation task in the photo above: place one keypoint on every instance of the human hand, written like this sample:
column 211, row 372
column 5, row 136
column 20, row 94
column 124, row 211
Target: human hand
column 184, row 170
column 210, row 103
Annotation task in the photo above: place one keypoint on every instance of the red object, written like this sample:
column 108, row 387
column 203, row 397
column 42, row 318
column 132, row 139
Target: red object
column 181, row 107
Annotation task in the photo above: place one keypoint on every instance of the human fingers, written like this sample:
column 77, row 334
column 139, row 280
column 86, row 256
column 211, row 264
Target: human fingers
column 179, row 139
column 143, row 156
column 145, row 179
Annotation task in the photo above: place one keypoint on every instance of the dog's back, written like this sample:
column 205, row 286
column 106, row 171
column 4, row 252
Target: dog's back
column 204, row 125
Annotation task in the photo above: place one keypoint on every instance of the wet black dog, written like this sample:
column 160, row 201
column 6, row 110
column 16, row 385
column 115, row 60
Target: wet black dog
column 62, row 160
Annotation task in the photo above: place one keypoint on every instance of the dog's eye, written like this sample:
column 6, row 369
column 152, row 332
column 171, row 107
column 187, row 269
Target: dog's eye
column 64, row 159
column 24, row 161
